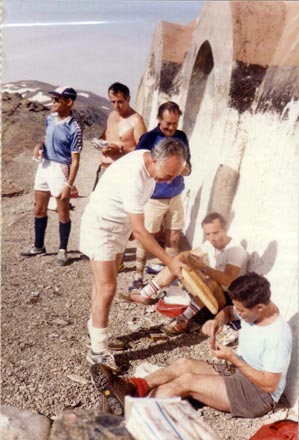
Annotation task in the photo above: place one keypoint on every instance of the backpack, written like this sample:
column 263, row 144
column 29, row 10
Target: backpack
column 280, row 430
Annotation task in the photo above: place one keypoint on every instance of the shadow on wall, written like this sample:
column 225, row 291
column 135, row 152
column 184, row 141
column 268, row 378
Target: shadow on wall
column 292, row 375
column 202, row 68
column 262, row 264
column 193, row 216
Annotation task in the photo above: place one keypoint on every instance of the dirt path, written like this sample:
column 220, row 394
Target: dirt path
column 44, row 314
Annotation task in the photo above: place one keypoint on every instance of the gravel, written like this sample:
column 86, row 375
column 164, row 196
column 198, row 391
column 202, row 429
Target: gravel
column 45, row 308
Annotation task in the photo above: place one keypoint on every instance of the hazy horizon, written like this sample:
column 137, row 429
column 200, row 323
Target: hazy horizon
column 87, row 44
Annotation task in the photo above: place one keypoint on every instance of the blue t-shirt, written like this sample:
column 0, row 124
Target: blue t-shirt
column 62, row 139
column 147, row 141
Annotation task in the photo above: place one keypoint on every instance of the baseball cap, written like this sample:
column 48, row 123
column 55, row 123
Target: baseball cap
column 64, row 92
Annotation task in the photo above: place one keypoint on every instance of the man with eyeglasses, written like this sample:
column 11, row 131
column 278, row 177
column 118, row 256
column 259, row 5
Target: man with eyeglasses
column 250, row 381
column 59, row 157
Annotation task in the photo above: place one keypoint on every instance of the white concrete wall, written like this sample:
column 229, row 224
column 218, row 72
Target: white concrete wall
column 263, row 147
column 260, row 144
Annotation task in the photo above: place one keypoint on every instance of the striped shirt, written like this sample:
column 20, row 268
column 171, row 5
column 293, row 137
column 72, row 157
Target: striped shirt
column 62, row 139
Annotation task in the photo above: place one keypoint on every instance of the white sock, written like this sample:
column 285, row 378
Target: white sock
column 150, row 289
column 191, row 310
column 98, row 338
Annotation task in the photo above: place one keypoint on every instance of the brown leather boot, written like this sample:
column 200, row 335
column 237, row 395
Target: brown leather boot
column 113, row 387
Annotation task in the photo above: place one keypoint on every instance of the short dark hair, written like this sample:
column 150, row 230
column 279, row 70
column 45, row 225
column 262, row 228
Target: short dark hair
column 117, row 87
column 171, row 106
column 167, row 147
column 209, row 218
column 250, row 289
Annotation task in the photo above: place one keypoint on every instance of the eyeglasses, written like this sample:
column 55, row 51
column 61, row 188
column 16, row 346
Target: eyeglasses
column 57, row 99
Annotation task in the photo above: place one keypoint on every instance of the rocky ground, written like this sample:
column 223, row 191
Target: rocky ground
column 44, row 314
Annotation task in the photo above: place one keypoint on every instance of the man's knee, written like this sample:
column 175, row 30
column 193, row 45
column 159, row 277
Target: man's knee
column 107, row 289
column 184, row 364
column 182, row 256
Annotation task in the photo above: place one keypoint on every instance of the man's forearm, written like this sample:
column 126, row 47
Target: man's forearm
column 225, row 315
column 266, row 381
column 220, row 277
column 73, row 171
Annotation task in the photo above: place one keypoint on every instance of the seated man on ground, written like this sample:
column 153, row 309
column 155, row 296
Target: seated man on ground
column 220, row 258
column 252, row 379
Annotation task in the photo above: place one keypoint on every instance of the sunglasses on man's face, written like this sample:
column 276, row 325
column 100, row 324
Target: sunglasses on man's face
column 57, row 99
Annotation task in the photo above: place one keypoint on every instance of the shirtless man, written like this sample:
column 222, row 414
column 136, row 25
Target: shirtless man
column 123, row 130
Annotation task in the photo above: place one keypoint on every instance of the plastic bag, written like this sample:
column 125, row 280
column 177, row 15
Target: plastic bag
column 280, row 430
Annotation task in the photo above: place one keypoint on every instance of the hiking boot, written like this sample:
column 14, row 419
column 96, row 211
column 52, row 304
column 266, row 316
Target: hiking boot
column 105, row 408
column 105, row 358
column 153, row 269
column 116, row 344
column 176, row 327
column 31, row 252
column 135, row 286
column 139, row 299
column 62, row 259
column 112, row 387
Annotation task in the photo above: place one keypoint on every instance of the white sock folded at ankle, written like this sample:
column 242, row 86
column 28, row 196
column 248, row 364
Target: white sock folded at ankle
column 151, row 289
column 98, row 337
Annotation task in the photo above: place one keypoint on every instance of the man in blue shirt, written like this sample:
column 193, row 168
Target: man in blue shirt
column 58, row 157
column 165, row 205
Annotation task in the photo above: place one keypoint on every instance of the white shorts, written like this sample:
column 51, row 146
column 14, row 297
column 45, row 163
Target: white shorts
column 51, row 176
column 102, row 239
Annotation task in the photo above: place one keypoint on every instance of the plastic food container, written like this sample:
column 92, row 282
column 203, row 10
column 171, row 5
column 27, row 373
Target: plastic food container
column 170, row 310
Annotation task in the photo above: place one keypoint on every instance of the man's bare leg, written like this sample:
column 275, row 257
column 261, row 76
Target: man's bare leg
column 172, row 238
column 190, row 378
column 103, row 291
column 176, row 369
column 206, row 388
column 104, row 288
column 141, row 254
column 166, row 277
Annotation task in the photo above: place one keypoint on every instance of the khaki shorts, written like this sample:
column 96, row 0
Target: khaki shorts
column 170, row 211
column 102, row 239
column 246, row 399
column 51, row 176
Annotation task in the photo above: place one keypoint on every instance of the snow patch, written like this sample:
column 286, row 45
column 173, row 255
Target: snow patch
column 10, row 88
column 40, row 97
column 85, row 95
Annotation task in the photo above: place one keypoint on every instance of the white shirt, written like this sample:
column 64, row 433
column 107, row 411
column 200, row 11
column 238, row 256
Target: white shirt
column 233, row 254
column 124, row 188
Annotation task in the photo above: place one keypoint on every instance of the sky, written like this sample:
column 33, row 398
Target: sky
column 87, row 44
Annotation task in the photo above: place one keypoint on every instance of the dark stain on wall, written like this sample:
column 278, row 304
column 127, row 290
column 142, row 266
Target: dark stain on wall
column 245, row 80
column 264, row 89
column 169, row 71
column 280, row 87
